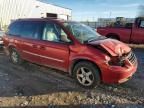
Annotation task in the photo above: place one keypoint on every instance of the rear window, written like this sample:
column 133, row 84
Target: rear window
column 26, row 29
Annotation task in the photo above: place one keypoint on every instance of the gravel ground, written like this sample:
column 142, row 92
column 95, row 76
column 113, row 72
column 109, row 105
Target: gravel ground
column 31, row 85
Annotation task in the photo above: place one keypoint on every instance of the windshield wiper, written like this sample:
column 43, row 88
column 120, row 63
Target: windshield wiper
column 98, row 38
column 90, row 40
column 94, row 39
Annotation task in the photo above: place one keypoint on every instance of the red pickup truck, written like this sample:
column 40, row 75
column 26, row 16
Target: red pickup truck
column 130, row 33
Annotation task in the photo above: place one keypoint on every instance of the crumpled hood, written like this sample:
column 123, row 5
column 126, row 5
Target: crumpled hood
column 114, row 47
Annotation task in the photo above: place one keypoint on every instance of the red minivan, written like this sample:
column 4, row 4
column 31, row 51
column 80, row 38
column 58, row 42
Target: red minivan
column 71, row 47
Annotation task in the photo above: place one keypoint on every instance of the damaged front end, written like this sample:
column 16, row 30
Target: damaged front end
column 124, row 60
column 120, row 62
column 118, row 53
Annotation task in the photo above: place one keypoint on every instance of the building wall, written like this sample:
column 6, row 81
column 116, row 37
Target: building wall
column 49, row 8
column 14, row 9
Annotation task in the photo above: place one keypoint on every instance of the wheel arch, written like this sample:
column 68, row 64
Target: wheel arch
column 76, row 61
column 11, row 45
column 113, row 35
column 8, row 48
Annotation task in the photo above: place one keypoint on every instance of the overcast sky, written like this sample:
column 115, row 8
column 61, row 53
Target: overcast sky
column 93, row 9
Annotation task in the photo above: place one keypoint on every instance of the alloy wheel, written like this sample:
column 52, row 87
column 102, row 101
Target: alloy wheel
column 14, row 57
column 85, row 76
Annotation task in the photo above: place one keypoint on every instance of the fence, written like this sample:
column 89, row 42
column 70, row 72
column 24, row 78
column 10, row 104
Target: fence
column 96, row 24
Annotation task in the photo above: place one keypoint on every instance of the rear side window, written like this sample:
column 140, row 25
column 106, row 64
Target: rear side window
column 32, row 29
column 14, row 29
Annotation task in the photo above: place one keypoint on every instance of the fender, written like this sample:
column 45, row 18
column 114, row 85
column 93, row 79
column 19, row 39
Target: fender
column 12, row 44
column 74, row 60
column 117, row 36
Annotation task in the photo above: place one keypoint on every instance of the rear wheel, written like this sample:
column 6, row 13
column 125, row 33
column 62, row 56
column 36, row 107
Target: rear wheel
column 86, row 74
column 15, row 56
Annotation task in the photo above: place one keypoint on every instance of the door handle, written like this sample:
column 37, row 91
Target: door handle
column 40, row 47
column 34, row 46
column 43, row 47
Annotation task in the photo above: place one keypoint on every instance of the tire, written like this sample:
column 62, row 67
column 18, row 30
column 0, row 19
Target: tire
column 15, row 57
column 91, row 77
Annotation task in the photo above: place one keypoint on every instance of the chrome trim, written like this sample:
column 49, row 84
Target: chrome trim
column 50, row 58
column 132, row 58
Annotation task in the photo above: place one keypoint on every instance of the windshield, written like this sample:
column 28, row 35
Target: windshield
column 82, row 32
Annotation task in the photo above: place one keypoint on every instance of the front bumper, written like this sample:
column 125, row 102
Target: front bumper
column 118, row 74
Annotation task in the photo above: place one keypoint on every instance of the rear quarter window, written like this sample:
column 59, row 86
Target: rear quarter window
column 14, row 29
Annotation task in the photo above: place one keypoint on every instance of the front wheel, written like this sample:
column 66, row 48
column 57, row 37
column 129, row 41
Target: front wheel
column 87, row 74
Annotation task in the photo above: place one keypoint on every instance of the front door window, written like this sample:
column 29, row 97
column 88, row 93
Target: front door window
column 53, row 32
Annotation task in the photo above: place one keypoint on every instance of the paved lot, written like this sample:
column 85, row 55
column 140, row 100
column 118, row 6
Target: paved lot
column 33, row 85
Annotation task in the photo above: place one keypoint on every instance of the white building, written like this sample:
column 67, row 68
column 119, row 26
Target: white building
column 14, row 9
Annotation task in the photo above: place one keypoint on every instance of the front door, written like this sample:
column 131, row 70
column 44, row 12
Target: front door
column 54, row 47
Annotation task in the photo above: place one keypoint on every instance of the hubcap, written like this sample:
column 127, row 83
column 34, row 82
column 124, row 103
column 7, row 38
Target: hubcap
column 85, row 76
column 14, row 57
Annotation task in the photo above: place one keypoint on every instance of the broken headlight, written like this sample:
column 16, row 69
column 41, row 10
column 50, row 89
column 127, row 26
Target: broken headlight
column 117, row 61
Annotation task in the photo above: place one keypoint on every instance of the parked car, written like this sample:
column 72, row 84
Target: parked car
column 130, row 33
column 1, row 41
column 71, row 47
